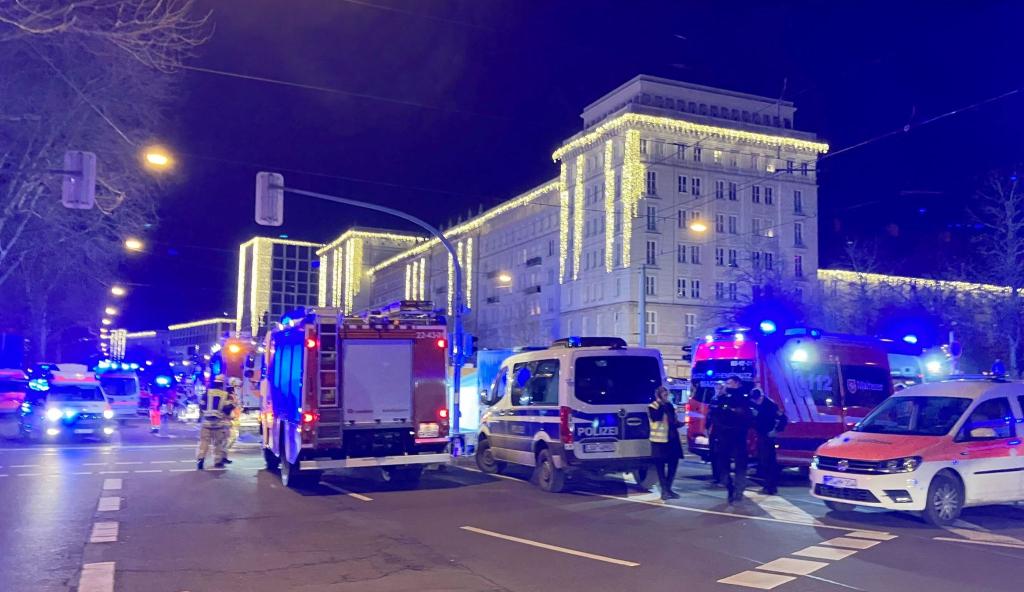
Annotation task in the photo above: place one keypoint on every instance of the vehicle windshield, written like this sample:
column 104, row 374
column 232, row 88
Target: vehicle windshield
column 915, row 416
column 69, row 392
column 708, row 373
column 120, row 387
column 617, row 380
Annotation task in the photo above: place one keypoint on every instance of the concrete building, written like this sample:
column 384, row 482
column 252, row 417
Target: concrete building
column 674, row 203
column 344, row 261
column 177, row 341
column 274, row 276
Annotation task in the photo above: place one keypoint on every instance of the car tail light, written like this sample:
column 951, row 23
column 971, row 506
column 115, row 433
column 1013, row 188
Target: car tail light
column 309, row 417
column 442, row 413
column 686, row 416
column 563, row 418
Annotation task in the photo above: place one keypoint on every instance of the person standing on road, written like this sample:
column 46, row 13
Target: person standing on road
column 666, row 447
column 769, row 421
column 215, row 410
column 235, row 421
column 731, row 418
column 716, row 474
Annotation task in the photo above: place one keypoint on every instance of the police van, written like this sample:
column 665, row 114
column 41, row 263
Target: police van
column 580, row 405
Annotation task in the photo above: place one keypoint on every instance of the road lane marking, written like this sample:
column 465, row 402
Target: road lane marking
column 4, row 475
column 148, row 471
column 829, row 553
column 112, row 483
column 548, row 547
column 872, row 534
column 104, row 532
column 358, row 496
column 757, row 579
column 989, row 543
column 162, row 462
column 29, row 474
column 788, row 565
column 128, row 462
column 848, row 543
column 97, row 577
column 180, row 470
column 973, row 532
column 114, row 472
column 23, row 466
column 780, row 508
column 102, row 464
column 109, row 504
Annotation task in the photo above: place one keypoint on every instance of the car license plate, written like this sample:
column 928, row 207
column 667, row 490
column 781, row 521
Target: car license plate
column 599, row 447
column 701, row 440
column 84, row 431
column 839, row 482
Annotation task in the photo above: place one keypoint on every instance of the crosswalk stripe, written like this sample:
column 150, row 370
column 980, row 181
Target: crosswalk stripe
column 973, row 532
column 109, row 504
column 779, row 507
column 97, row 577
column 111, row 484
column 848, row 543
column 104, row 532
column 757, row 579
column 871, row 534
column 788, row 565
column 829, row 553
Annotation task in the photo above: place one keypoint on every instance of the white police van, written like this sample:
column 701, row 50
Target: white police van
column 579, row 405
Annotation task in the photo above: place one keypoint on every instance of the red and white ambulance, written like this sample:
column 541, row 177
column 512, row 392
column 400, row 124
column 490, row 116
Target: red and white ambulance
column 824, row 382
column 933, row 448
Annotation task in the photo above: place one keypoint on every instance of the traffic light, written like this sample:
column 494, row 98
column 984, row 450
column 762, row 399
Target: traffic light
column 78, row 192
column 469, row 345
column 269, row 199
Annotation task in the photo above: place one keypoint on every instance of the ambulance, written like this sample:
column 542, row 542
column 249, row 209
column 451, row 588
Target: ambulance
column 578, row 406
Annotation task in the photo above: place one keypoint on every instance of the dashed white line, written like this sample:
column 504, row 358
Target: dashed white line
column 548, row 547
column 358, row 496
column 97, row 577
column 872, row 534
column 757, row 579
column 103, row 464
column 104, row 532
column 829, row 553
column 148, row 471
column 179, row 470
column 788, row 565
column 129, row 462
column 111, row 484
column 81, row 473
column 162, row 462
column 23, row 466
column 848, row 543
column 29, row 474
column 988, row 543
column 114, row 472
column 109, row 504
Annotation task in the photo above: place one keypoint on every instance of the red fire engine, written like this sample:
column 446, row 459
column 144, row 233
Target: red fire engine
column 824, row 382
column 351, row 392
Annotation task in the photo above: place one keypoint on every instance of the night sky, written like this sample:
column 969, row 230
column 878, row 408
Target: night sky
column 441, row 107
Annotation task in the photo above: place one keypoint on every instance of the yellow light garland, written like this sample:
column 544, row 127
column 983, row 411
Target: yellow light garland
column 353, row 233
column 628, row 120
column 468, row 270
column 451, row 282
column 563, row 222
column 254, row 322
column 421, row 288
column 349, row 265
column 853, row 277
column 577, row 218
column 202, row 323
column 632, row 190
column 609, row 205
column 408, row 281
column 145, row 334
column 240, row 288
column 321, row 284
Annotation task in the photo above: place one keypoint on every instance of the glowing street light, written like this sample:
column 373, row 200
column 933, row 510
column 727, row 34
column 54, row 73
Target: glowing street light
column 118, row 291
column 110, row 311
column 133, row 244
column 698, row 227
column 505, row 278
column 157, row 158
column 106, row 321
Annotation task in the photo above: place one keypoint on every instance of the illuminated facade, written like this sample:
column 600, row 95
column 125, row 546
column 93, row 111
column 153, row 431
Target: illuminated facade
column 274, row 276
column 345, row 261
column 178, row 341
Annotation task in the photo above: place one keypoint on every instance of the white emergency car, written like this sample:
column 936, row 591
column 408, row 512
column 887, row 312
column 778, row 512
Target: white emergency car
column 579, row 405
column 933, row 448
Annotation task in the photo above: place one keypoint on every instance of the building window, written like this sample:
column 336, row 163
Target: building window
column 649, row 283
column 652, row 322
column 717, row 155
column 732, row 191
column 694, row 289
column 690, row 324
column 695, row 186
column 789, row 167
column 680, row 288
column 798, row 266
column 803, row 169
column 652, row 218
column 694, row 215
column 769, row 261
column 643, row 146
column 680, row 253
column 769, row 196
column 719, row 256
column 652, row 185
column 680, row 151
column 719, row 222
column 681, row 183
column 798, row 234
column 755, row 259
column 733, row 292
column 733, row 224
column 755, row 226
column 695, row 255
column 680, row 218
column 753, row 157
column 733, row 258
column 652, row 250
column 696, row 153
column 719, row 189
column 798, row 202
column 719, row 290
column 755, row 194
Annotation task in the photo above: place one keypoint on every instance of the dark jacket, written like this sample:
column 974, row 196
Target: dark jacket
column 730, row 413
column 769, row 417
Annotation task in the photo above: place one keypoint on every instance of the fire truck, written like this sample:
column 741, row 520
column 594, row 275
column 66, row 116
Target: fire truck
column 824, row 382
column 363, row 391
column 237, row 359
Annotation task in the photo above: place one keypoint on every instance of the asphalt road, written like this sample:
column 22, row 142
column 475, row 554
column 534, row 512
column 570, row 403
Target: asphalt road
column 135, row 515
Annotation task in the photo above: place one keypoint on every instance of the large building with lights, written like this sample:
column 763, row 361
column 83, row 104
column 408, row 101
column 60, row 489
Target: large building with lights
column 275, row 275
column 675, row 204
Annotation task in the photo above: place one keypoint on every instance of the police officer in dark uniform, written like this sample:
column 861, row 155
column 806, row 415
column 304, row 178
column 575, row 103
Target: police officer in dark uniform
column 769, row 421
column 731, row 417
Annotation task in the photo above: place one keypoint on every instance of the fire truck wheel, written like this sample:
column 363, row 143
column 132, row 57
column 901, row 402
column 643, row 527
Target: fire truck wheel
column 403, row 476
column 549, row 477
column 294, row 478
column 485, row 458
column 273, row 463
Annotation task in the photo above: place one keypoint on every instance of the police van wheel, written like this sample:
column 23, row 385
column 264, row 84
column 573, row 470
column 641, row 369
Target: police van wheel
column 294, row 478
column 549, row 477
column 270, row 459
column 485, row 459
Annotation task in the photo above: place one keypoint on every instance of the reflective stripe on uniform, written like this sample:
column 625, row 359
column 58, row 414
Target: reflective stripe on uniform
column 659, row 429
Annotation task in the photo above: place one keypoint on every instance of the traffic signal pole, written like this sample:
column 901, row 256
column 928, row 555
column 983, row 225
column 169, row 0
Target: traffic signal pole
column 456, row 344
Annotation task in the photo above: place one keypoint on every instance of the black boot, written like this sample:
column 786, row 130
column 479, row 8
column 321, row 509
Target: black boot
column 199, row 464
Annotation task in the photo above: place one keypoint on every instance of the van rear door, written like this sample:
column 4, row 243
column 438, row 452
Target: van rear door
column 376, row 382
column 612, row 392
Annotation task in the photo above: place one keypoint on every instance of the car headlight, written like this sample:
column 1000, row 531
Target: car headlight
column 108, row 414
column 907, row 464
column 814, row 461
column 54, row 414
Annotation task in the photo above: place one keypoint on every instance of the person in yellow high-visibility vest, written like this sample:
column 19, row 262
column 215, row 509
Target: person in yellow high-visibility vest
column 666, row 446
column 215, row 411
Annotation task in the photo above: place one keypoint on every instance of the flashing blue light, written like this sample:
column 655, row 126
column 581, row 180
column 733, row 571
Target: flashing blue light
column 911, row 339
column 133, row 366
column 575, row 342
column 104, row 364
column 710, row 373
column 709, row 338
column 768, row 327
column 162, row 380
column 799, row 355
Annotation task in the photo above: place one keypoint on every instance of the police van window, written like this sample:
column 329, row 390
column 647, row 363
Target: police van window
column 498, row 388
column 535, row 383
column 994, row 414
column 616, row 380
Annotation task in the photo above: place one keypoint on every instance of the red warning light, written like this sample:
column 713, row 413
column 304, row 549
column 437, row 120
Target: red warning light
column 442, row 343
column 310, row 343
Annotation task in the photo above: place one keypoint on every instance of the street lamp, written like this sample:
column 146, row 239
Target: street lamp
column 505, row 278
column 698, row 226
column 157, row 158
column 133, row 244
column 110, row 311
column 118, row 291
column 106, row 321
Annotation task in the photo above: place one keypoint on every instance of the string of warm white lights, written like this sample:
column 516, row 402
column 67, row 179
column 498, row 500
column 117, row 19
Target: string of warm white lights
column 577, row 217
column 609, row 205
column 563, row 222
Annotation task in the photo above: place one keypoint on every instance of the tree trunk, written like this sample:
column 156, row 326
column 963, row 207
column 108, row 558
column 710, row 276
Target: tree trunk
column 42, row 333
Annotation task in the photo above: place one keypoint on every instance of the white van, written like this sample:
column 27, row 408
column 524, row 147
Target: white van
column 579, row 405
